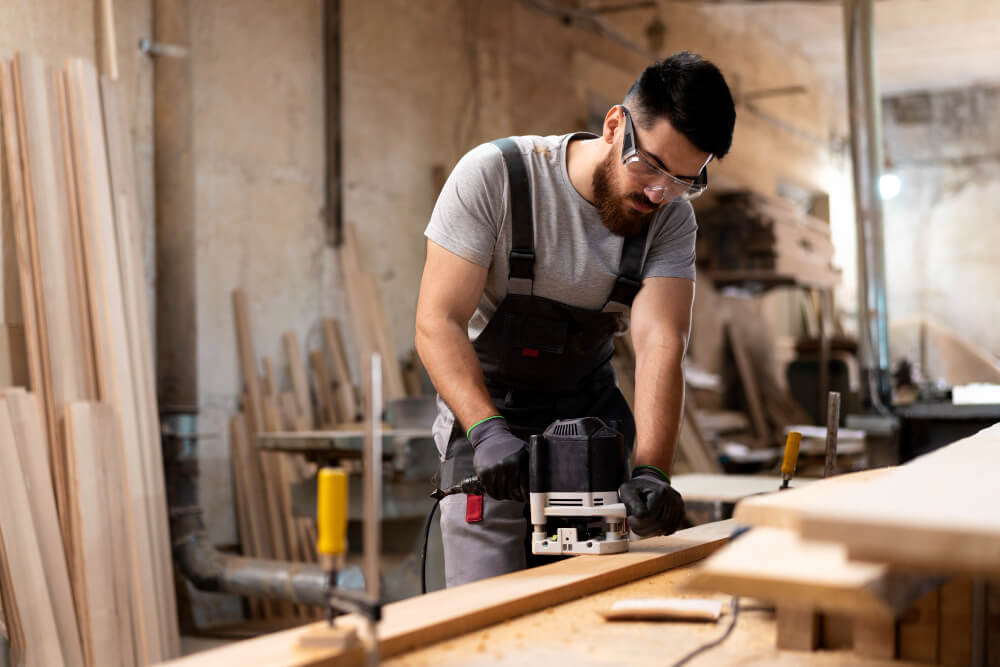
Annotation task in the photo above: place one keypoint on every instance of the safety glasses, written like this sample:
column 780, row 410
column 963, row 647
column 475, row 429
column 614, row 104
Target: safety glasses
column 655, row 178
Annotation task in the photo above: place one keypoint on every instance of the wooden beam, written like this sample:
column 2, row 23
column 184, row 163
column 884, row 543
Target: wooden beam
column 936, row 513
column 426, row 619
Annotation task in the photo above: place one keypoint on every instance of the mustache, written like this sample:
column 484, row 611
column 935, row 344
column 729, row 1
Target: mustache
column 640, row 198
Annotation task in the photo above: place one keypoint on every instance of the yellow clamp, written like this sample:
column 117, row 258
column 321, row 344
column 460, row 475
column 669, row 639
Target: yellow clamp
column 331, row 511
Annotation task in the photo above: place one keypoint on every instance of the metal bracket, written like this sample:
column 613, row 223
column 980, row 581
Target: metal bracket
column 153, row 48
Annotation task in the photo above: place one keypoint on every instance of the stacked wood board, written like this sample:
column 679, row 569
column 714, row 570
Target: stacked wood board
column 745, row 231
column 877, row 545
column 70, row 202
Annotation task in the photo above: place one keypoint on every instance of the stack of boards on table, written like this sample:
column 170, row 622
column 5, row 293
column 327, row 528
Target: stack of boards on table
column 893, row 556
column 85, row 564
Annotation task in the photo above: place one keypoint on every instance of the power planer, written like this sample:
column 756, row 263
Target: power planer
column 574, row 470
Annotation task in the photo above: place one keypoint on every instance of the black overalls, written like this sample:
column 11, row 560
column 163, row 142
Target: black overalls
column 543, row 360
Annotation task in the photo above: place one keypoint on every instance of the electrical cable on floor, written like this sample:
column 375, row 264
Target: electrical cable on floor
column 715, row 642
column 423, row 552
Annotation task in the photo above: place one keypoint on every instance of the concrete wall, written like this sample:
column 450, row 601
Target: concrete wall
column 943, row 230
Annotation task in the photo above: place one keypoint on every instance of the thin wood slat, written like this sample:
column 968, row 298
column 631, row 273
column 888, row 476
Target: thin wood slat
column 750, row 387
column 297, row 371
column 329, row 415
column 127, row 233
column 23, row 552
column 255, row 422
column 346, row 400
column 430, row 618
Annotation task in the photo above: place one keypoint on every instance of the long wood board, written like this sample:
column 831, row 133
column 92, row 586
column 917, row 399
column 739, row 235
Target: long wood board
column 937, row 512
column 450, row 612
column 297, row 372
column 116, row 381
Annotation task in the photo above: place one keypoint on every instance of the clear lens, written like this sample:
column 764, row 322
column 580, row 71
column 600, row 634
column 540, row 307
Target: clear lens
column 656, row 179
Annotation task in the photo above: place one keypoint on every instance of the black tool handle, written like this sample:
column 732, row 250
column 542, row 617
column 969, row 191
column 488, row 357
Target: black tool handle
column 469, row 485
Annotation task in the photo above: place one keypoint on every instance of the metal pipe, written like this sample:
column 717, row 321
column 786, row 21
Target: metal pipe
column 197, row 558
column 865, row 114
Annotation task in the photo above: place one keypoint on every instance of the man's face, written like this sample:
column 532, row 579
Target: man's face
column 623, row 201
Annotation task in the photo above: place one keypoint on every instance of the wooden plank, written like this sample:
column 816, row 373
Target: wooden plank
column 100, row 584
column 25, row 417
column 297, row 371
column 426, row 619
column 116, row 383
column 749, row 382
column 23, row 550
column 137, row 317
column 729, row 488
column 395, row 387
column 875, row 637
column 775, row 564
column 259, row 544
column 255, row 422
column 328, row 413
column 787, row 509
column 895, row 519
column 269, row 383
column 348, row 406
column 11, row 617
column 15, row 192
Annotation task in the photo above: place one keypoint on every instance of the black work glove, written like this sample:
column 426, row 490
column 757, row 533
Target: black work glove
column 500, row 460
column 653, row 506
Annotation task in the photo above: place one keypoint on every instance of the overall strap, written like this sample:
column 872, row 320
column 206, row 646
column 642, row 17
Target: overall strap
column 522, row 249
column 629, row 278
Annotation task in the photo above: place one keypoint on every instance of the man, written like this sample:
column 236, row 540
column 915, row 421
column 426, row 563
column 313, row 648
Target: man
column 539, row 249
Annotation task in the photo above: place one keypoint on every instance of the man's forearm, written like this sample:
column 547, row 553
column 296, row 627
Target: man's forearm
column 659, row 397
column 454, row 368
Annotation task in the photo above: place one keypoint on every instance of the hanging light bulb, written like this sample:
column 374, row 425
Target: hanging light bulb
column 889, row 185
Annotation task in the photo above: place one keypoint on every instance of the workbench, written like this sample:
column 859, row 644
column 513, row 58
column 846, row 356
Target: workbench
column 574, row 633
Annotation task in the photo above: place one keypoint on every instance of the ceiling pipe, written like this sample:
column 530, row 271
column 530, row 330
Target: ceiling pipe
column 865, row 114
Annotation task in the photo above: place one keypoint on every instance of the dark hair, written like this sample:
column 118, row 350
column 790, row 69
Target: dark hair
column 692, row 94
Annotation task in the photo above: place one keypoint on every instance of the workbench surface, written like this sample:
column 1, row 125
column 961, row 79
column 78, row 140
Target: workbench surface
column 574, row 633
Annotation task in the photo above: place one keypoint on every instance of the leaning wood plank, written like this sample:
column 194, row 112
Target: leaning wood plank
column 749, row 381
column 297, row 371
column 937, row 512
column 328, row 412
column 255, row 420
column 395, row 386
column 15, row 191
column 341, row 372
column 775, row 564
column 26, row 423
column 90, row 431
column 10, row 616
column 116, row 382
column 695, row 448
column 60, row 306
column 451, row 612
column 128, row 232
column 24, row 555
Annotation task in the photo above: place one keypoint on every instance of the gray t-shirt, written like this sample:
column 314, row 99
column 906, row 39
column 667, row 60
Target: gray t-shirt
column 576, row 257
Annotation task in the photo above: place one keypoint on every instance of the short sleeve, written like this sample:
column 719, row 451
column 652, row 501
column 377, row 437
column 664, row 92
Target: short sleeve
column 671, row 251
column 470, row 210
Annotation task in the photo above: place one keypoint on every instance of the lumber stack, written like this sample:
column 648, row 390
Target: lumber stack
column 742, row 230
column 83, row 462
column 871, row 550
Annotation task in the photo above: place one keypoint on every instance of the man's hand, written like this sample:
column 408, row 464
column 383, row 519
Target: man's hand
column 653, row 506
column 500, row 460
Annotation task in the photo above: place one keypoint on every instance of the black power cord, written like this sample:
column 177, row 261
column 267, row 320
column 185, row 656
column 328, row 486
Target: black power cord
column 715, row 642
column 423, row 552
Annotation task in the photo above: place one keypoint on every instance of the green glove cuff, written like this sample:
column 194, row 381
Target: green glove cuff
column 665, row 475
column 468, row 433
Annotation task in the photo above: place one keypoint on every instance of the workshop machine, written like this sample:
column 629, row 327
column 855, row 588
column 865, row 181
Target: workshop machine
column 574, row 470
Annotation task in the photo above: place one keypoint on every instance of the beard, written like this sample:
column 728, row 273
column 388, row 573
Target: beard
column 619, row 218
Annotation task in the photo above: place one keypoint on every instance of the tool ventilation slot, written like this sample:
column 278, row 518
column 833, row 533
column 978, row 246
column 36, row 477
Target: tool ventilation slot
column 598, row 501
column 566, row 502
column 572, row 428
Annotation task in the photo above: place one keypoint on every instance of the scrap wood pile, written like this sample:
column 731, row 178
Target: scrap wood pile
column 304, row 396
column 85, row 562
column 870, row 551
column 742, row 230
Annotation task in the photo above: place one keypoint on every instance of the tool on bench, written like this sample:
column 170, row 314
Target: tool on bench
column 791, row 458
column 331, row 545
column 574, row 470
